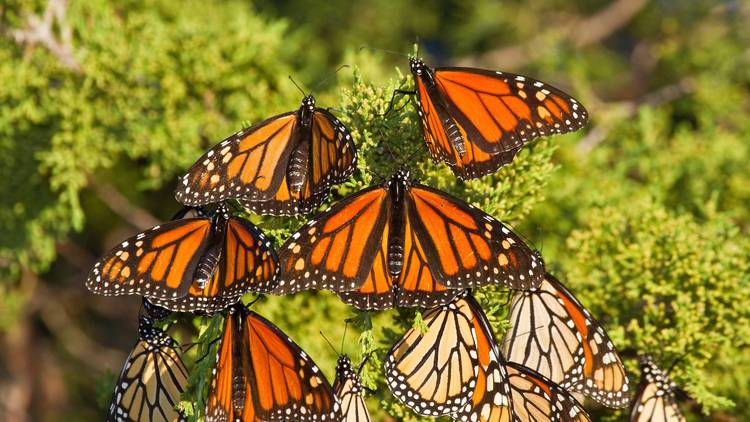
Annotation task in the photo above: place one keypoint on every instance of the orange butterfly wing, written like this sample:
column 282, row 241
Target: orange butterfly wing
column 336, row 249
column 283, row 382
column 158, row 263
column 247, row 263
column 466, row 247
column 565, row 344
column 220, row 406
column 245, row 164
column 415, row 285
column 537, row 399
column 442, row 135
column 331, row 158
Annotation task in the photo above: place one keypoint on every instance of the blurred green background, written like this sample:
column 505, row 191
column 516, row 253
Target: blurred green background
column 643, row 214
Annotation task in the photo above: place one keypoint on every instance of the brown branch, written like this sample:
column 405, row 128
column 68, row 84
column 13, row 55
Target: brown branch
column 580, row 32
column 121, row 205
column 41, row 30
column 630, row 108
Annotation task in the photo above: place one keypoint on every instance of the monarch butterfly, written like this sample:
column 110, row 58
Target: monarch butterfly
column 477, row 120
column 655, row 399
column 151, row 381
column 348, row 388
column 552, row 333
column 404, row 244
column 284, row 165
column 190, row 264
column 455, row 369
column 261, row 374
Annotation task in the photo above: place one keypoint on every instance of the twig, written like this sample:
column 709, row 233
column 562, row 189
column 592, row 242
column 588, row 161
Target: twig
column 580, row 32
column 42, row 31
column 630, row 108
column 121, row 205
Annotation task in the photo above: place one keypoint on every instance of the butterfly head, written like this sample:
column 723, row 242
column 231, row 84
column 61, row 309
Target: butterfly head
column 308, row 103
column 416, row 65
column 344, row 365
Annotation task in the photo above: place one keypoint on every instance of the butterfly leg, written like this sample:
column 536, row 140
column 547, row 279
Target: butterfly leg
column 400, row 92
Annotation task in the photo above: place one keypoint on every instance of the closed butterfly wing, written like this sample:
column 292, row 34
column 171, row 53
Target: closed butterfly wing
column 243, row 261
column 152, row 380
column 477, row 120
column 655, row 399
column 261, row 375
column 466, row 247
column 336, row 249
column 326, row 157
column 348, row 388
column 537, row 399
column 433, row 373
column 553, row 334
column 158, row 263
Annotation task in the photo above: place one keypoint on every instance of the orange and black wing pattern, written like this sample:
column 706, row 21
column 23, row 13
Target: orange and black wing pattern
column 158, row 263
column 152, row 379
column 261, row 375
column 655, row 400
column 434, row 372
column 491, row 397
column 477, row 120
column 335, row 250
column 465, row 247
column 537, row 399
column 325, row 156
column 349, row 390
column 249, row 164
column 553, row 334
column 246, row 262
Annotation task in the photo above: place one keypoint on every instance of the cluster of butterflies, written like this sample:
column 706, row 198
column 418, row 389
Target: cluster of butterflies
column 396, row 244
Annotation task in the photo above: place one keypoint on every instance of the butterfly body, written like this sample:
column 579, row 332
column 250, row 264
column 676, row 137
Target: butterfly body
column 262, row 375
column 477, row 120
column 404, row 244
column 349, row 389
column 194, row 263
column 152, row 379
column 284, row 165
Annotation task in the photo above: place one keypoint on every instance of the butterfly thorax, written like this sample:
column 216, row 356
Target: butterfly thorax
column 397, row 186
column 209, row 262
column 299, row 160
column 452, row 131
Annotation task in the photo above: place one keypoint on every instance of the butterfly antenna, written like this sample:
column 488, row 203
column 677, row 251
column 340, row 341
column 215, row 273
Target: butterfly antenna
column 211, row 343
column 297, row 85
column 259, row 297
column 363, row 363
column 329, row 343
column 397, row 53
column 346, row 325
column 328, row 78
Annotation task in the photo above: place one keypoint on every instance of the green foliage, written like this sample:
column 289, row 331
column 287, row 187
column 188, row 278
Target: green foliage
column 644, row 215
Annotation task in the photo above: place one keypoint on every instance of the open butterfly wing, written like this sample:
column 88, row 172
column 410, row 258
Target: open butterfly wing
column 251, row 164
column 415, row 285
column 432, row 373
column 442, row 135
column 655, row 400
column 500, row 111
column 466, row 247
column 283, row 382
column 336, row 249
column 537, row 399
column 158, row 263
column 247, row 263
column 553, row 334
column 151, row 382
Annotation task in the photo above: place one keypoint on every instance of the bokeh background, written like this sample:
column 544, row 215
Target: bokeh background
column 643, row 214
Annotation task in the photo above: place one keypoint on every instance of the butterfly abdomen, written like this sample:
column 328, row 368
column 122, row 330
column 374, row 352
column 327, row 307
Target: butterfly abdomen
column 395, row 258
column 207, row 265
column 297, row 172
column 455, row 137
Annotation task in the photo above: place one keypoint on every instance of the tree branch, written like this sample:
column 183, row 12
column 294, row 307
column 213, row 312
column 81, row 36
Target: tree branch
column 580, row 32
column 42, row 31
column 121, row 205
